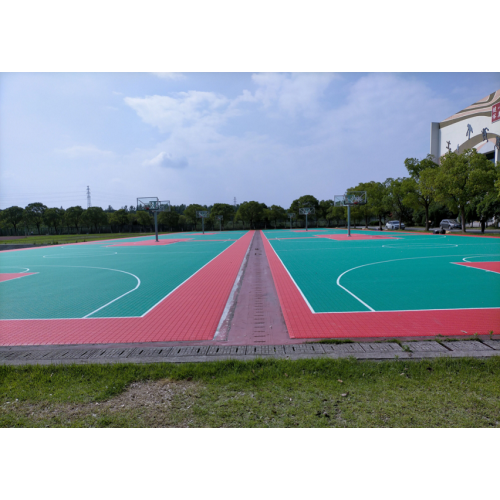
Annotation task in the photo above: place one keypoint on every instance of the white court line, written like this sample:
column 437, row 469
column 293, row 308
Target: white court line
column 481, row 255
column 349, row 292
column 117, row 298
column 298, row 288
column 18, row 267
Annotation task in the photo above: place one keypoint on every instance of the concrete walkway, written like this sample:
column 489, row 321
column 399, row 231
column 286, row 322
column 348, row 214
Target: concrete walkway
column 151, row 353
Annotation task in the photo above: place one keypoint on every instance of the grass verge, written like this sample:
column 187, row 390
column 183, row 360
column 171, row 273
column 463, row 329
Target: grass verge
column 260, row 393
column 54, row 239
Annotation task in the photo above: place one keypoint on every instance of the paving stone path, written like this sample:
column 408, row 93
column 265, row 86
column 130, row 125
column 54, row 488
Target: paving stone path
column 184, row 354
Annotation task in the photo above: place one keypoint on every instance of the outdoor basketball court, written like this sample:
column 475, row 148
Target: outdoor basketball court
column 387, row 284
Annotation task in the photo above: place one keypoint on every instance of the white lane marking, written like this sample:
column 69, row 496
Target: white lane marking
column 294, row 282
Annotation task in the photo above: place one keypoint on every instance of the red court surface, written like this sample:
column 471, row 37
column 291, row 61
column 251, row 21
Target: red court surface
column 494, row 267
column 12, row 276
column 190, row 312
column 340, row 237
column 302, row 323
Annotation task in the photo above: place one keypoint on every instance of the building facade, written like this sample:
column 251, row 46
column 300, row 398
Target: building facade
column 477, row 126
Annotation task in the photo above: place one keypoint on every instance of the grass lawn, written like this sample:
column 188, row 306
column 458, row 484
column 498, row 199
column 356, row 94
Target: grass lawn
column 55, row 239
column 261, row 393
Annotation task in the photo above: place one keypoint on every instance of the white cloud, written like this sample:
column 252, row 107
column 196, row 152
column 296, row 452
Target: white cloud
column 170, row 76
column 200, row 110
column 166, row 160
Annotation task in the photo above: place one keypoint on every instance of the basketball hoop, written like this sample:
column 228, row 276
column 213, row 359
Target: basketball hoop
column 152, row 205
column 306, row 211
column 352, row 198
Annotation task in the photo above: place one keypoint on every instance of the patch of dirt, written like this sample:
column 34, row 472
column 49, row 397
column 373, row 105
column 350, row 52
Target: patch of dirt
column 159, row 403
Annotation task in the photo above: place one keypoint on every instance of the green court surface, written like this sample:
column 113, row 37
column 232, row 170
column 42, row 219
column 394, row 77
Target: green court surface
column 98, row 280
column 412, row 272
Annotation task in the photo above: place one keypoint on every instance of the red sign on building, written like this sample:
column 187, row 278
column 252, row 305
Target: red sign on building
column 495, row 112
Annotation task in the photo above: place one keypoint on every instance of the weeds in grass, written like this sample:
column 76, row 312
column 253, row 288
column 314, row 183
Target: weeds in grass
column 443, row 392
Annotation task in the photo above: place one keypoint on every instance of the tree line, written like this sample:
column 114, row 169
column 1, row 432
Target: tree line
column 464, row 186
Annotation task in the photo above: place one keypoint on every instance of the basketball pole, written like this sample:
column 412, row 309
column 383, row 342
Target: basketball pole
column 349, row 221
column 306, row 222
column 156, row 225
column 203, row 225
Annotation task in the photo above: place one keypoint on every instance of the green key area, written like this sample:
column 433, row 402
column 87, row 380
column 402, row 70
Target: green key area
column 412, row 272
column 100, row 281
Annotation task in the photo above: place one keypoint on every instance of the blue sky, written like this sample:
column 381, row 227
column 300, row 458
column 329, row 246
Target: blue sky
column 209, row 137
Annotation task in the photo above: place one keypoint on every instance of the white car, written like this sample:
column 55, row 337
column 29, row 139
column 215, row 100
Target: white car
column 394, row 224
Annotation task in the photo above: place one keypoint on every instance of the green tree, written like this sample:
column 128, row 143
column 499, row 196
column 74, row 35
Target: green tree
column 422, row 190
column 303, row 202
column 394, row 199
column 54, row 217
column 190, row 213
column 485, row 207
column 250, row 211
column 73, row 216
column 95, row 216
column 364, row 211
column 337, row 214
column 461, row 177
column 275, row 213
column 324, row 207
column 376, row 192
column 13, row 215
column 224, row 209
column 169, row 219
column 144, row 219
column 119, row 218
column 33, row 214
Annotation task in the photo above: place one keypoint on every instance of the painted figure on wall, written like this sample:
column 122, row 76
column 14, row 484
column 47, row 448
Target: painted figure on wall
column 469, row 130
column 485, row 133
column 448, row 147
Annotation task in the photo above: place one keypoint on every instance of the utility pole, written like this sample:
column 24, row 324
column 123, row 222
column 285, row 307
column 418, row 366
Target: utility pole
column 234, row 204
column 89, row 204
